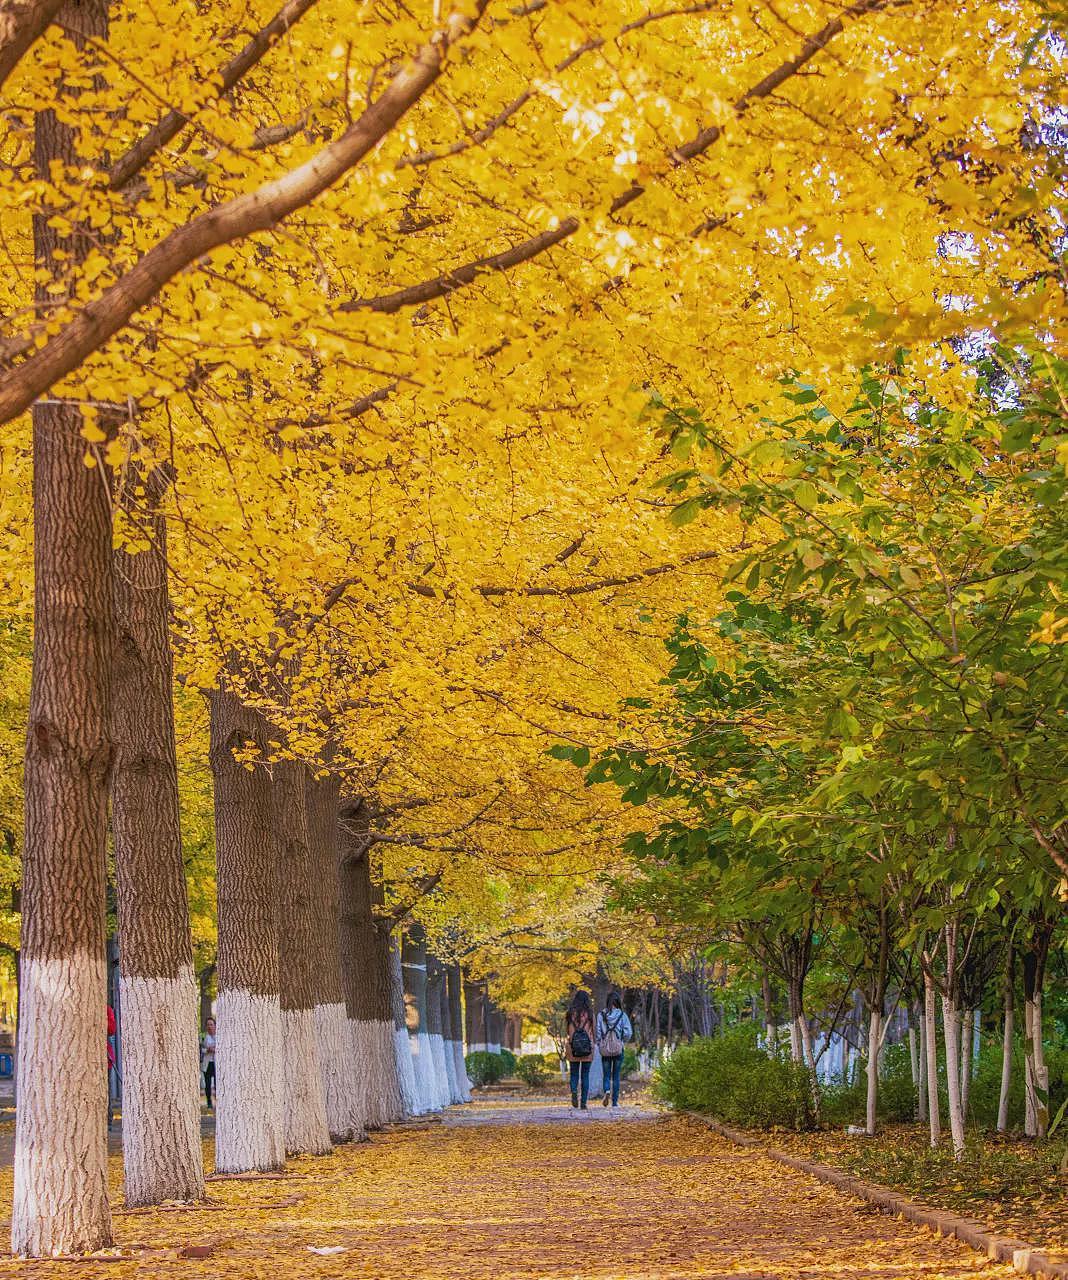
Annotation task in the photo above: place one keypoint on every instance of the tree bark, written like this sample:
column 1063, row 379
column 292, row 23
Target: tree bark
column 967, row 1036
column 475, row 1011
column 393, row 1105
column 401, row 1045
column 951, row 1021
column 249, row 1123
column 930, row 1034
column 435, row 991
column 60, row 1199
column 159, row 994
column 306, row 1127
column 875, row 1028
column 921, row 1062
column 413, row 961
column 454, row 987
column 366, row 1002
column 1006, row 1041
column 340, row 1093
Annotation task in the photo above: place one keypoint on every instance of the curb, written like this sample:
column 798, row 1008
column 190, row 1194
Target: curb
column 1026, row 1259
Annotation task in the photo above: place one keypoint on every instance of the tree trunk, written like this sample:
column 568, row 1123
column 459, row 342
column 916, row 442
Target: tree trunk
column 158, row 992
column 921, row 1063
column 249, row 1117
column 332, row 1035
column 447, row 1040
column 402, row 1050
column 1006, row 1042
column 967, row 1035
column 393, row 1109
column 413, row 961
column 306, row 1127
column 930, row 1034
column 454, row 985
column 435, row 986
column 875, row 1027
column 475, row 1005
column 207, row 1000
column 60, row 1198
column 366, row 1005
column 951, row 1035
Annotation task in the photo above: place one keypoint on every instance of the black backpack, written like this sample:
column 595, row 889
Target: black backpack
column 581, row 1044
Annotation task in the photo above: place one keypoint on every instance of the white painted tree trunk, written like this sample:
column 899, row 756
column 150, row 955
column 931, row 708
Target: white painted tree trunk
column 967, row 1035
column 249, row 1119
column 951, row 1020
column 336, row 1065
column 161, row 1141
column 441, row 1074
column 1030, row 1092
column 1037, row 1078
column 61, row 1198
column 795, row 1041
column 373, row 1053
column 449, row 1050
column 874, row 1041
column 406, row 1072
column 304, row 1103
column 1006, row 1065
column 425, row 1077
column 930, row 1035
column 921, row 1064
column 463, row 1084
column 402, row 1050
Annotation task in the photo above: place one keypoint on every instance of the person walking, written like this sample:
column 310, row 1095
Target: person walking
column 613, row 1032
column 207, row 1059
column 579, row 1047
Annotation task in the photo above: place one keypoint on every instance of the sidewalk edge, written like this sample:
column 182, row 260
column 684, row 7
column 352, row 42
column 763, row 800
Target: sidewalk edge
column 1025, row 1258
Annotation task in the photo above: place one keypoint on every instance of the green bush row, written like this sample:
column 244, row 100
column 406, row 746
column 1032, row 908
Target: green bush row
column 731, row 1077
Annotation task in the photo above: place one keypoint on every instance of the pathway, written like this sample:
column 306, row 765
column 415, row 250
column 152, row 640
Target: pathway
column 506, row 1191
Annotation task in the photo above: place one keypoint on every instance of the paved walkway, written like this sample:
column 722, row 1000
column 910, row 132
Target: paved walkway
column 506, row 1191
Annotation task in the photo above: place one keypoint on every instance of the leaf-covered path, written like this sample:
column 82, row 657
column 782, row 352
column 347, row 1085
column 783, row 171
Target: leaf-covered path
column 507, row 1192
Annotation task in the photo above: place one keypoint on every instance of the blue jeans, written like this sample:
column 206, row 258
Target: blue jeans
column 612, row 1069
column 580, row 1070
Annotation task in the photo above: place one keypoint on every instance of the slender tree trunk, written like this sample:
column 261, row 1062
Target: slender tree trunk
column 249, row 1117
column 413, row 961
column 951, row 1021
column 930, row 1034
column 366, row 1005
column 161, row 1143
column 446, row 1038
column 921, row 1062
column 1006, row 1045
column 435, row 983
column 1039, row 1070
column 770, row 1022
column 306, row 1127
column 340, row 1093
column 875, row 1028
column 967, row 1035
column 60, row 1199
column 454, row 985
column 409, row 1086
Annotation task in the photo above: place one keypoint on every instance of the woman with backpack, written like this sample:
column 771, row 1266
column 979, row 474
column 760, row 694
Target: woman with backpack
column 613, row 1032
column 579, row 1047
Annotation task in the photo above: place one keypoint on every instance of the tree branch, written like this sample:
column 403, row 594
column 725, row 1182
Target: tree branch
column 22, row 23
column 134, row 160
column 257, row 210
column 449, row 281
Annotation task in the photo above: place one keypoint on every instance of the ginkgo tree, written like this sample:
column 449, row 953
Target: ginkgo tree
column 334, row 246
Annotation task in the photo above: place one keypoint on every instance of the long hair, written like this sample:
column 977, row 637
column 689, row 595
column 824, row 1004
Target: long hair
column 614, row 1001
column 580, row 1004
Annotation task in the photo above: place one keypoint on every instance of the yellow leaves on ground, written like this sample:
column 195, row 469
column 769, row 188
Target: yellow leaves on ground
column 529, row 1192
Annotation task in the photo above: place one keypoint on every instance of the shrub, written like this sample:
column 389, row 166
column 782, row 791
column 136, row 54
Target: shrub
column 630, row 1062
column 533, row 1069
column 731, row 1077
column 486, row 1068
column 510, row 1061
